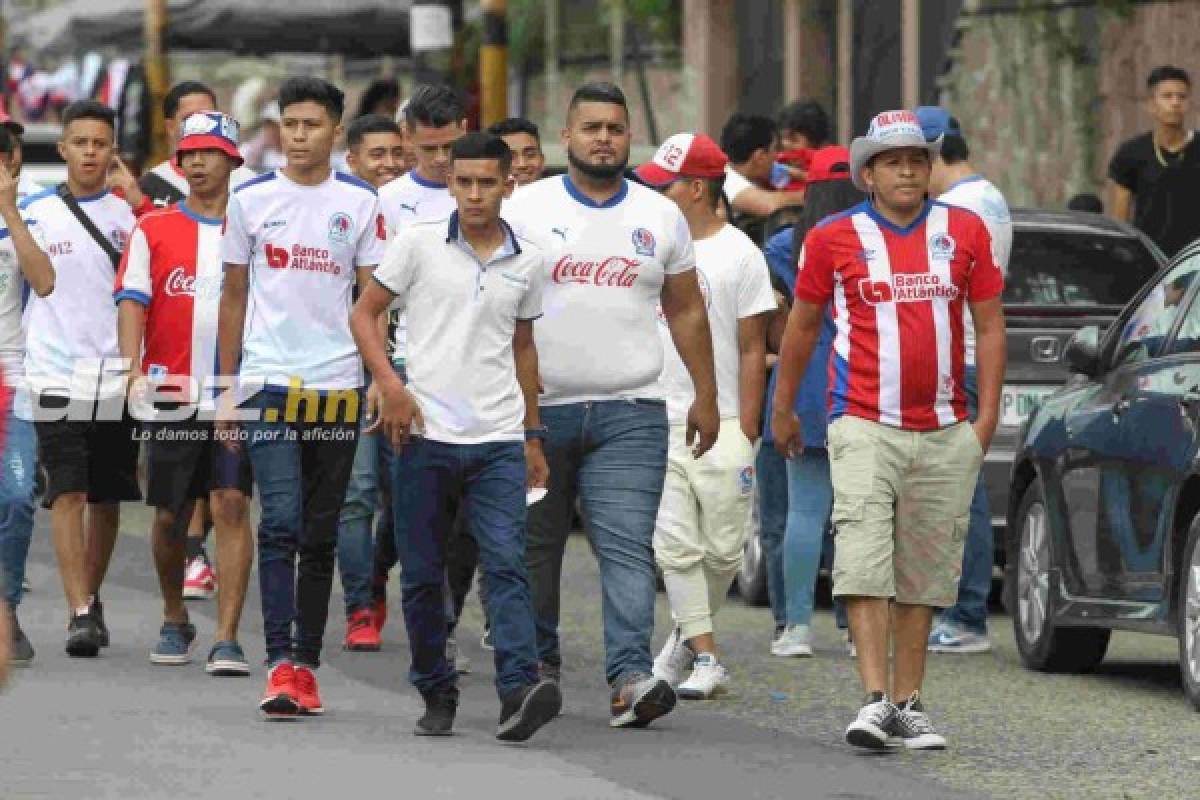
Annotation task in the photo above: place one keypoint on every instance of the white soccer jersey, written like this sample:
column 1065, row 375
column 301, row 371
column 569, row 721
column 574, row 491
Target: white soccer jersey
column 303, row 245
column 735, row 283
column 13, row 293
column 406, row 201
column 77, row 322
column 598, row 338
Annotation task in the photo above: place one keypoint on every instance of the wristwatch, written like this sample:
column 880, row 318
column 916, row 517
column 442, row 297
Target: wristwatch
column 539, row 433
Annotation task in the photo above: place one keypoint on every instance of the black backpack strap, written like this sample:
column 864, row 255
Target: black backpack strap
column 72, row 204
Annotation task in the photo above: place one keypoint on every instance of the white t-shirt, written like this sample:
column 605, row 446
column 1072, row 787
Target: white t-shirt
column 13, row 293
column 77, row 322
column 411, row 200
column 303, row 245
column 598, row 339
column 735, row 183
column 735, row 283
column 27, row 187
column 461, row 319
column 977, row 194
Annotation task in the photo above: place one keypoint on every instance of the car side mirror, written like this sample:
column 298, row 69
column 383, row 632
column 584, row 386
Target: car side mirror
column 1083, row 352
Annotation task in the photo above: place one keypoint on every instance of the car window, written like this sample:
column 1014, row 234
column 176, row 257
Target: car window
column 1070, row 268
column 1143, row 332
column 1187, row 340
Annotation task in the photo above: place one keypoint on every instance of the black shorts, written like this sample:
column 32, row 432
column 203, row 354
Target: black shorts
column 98, row 458
column 184, row 462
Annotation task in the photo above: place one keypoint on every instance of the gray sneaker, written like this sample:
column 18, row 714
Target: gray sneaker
column 872, row 727
column 174, row 644
column 226, row 659
column 912, row 727
column 21, row 653
column 640, row 699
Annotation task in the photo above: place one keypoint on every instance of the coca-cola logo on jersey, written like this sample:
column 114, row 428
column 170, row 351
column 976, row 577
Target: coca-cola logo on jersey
column 179, row 284
column 615, row 271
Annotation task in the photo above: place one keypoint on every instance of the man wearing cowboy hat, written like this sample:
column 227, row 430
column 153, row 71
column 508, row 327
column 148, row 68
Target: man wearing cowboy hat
column 899, row 270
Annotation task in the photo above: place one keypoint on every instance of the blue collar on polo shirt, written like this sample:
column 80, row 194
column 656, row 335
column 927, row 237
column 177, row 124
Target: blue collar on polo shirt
column 454, row 235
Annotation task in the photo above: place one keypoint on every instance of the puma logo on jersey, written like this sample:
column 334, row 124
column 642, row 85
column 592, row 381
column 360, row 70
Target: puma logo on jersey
column 410, row 209
column 562, row 232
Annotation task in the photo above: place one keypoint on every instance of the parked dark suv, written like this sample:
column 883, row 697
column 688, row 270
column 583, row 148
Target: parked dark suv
column 1067, row 270
column 1104, row 511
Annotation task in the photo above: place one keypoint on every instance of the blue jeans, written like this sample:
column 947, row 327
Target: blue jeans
column 429, row 480
column 772, row 516
column 810, row 502
column 16, row 504
column 301, row 469
column 355, row 545
column 970, row 611
column 612, row 455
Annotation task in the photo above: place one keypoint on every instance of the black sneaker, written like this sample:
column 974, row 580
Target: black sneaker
column 96, row 609
column 639, row 700
column 871, row 727
column 440, row 707
column 526, row 710
column 21, row 653
column 83, row 637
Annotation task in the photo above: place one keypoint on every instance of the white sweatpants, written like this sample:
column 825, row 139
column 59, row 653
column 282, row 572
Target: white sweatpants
column 702, row 524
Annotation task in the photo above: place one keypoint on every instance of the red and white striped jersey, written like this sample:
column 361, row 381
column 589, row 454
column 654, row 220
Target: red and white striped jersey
column 898, row 298
column 173, row 267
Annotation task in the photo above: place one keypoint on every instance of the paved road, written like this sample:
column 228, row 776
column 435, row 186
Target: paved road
column 119, row 727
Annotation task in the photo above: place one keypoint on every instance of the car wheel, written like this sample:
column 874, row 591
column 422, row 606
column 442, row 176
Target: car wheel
column 1042, row 644
column 752, row 575
column 1189, row 615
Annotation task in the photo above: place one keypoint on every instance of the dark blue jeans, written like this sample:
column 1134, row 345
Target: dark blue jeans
column 17, row 470
column 612, row 456
column 772, row 515
column 301, row 469
column 970, row 611
column 355, row 544
column 429, row 480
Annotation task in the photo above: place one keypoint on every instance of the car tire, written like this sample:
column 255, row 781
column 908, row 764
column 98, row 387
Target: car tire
column 1042, row 644
column 1189, row 615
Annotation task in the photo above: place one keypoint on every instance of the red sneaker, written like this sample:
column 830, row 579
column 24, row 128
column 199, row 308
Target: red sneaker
column 360, row 632
column 379, row 614
column 306, row 689
column 279, row 700
column 200, row 581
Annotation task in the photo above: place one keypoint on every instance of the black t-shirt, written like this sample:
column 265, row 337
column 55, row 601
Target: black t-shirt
column 1166, row 197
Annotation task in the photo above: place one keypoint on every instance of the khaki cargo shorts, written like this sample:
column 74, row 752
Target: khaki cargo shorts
column 901, row 505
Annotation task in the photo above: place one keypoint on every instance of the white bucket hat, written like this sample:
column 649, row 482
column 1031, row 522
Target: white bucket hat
column 890, row 130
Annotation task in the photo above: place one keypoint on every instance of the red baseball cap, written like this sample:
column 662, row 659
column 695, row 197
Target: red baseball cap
column 829, row 163
column 684, row 155
column 10, row 123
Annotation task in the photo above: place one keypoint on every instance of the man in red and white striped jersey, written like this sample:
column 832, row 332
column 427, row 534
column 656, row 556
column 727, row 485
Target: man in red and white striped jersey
column 167, row 291
column 899, row 270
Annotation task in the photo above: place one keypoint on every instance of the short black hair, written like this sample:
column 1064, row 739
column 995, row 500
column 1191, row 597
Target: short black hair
column 89, row 109
column 954, row 145
column 434, row 106
column 380, row 89
column 512, row 125
column 1167, row 73
column 482, row 146
column 745, row 133
column 181, row 90
column 598, row 92
column 305, row 89
column 7, row 140
column 808, row 118
column 357, row 130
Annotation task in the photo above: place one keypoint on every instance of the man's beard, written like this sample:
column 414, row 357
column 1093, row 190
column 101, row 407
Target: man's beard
column 598, row 172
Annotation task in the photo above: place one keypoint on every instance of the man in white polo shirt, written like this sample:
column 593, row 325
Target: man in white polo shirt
column 466, row 428
column 296, row 240
column 707, row 502
column 618, row 250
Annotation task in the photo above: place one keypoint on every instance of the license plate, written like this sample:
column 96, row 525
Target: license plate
column 1018, row 402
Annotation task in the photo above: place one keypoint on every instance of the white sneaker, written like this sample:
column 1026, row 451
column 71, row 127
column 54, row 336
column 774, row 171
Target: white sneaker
column 675, row 659
column 912, row 727
column 707, row 679
column 950, row 638
column 796, row 641
column 873, row 724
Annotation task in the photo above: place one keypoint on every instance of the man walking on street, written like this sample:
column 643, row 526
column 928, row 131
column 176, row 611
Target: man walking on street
column 376, row 155
column 962, row 628
column 707, row 502
column 87, row 449
column 466, row 429
column 899, row 270
column 24, row 267
column 167, row 292
column 618, row 250
column 296, row 240
column 1154, row 178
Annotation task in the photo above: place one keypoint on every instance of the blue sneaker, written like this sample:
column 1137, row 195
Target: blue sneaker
column 174, row 644
column 226, row 660
column 950, row 638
